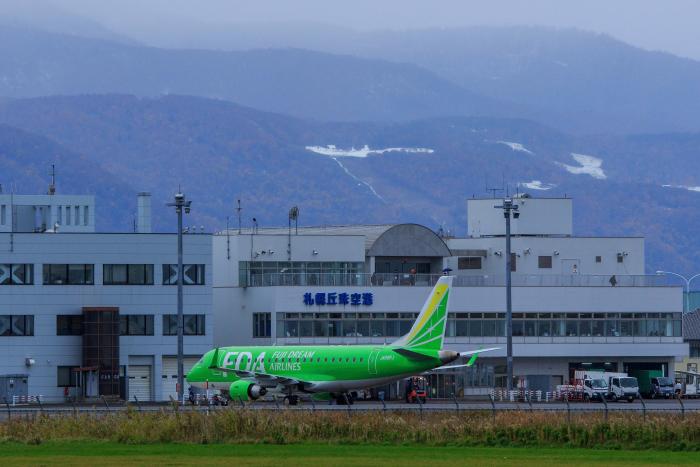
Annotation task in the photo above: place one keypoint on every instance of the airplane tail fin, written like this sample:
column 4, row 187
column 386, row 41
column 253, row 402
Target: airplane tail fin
column 428, row 332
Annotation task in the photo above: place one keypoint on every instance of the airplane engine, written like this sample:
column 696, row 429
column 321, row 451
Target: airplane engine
column 245, row 390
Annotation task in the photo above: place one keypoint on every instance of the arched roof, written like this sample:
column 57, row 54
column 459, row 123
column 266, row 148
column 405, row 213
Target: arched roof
column 408, row 240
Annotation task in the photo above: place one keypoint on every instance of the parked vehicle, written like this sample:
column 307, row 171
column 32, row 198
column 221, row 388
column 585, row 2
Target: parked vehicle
column 662, row 387
column 416, row 390
column 594, row 389
column 623, row 387
column 690, row 383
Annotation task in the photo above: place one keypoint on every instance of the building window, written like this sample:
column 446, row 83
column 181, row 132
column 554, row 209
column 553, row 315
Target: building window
column 136, row 325
column 694, row 349
column 66, row 377
column 193, row 325
column 544, row 262
column 69, row 325
column 469, row 262
column 262, row 324
column 193, row 274
column 513, row 262
column 598, row 259
column 296, row 273
column 620, row 257
column 16, row 325
column 69, row 274
column 16, row 274
column 127, row 274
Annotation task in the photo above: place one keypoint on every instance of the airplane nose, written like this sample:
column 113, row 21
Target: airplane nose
column 447, row 356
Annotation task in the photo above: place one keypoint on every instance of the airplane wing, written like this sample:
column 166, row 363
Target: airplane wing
column 478, row 351
column 264, row 379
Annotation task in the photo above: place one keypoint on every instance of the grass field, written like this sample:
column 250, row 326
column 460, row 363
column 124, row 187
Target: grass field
column 107, row 454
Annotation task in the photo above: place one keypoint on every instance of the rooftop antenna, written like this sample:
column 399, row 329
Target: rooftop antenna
column 239, row 209
column 228, row 240
column 493, row 190
column 52, row 186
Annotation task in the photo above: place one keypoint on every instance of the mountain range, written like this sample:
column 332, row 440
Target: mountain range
column 420, row 171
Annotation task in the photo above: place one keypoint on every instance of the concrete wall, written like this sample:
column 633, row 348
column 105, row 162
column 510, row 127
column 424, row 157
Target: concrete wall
column 45, row 302
column 538, row 216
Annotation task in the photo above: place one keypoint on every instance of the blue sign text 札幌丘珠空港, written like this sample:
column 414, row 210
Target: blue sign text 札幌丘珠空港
column 338, row 298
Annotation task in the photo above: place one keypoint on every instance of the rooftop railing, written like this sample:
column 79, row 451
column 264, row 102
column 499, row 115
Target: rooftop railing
column 429, row 280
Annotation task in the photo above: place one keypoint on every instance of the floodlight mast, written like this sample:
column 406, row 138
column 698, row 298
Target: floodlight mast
column 180, row 204
column 509, row 207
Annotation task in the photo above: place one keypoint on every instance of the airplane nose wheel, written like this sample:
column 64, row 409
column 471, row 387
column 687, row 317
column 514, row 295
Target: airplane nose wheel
column 291, row 400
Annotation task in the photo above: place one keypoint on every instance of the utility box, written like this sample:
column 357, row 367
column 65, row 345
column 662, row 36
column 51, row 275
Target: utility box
column 13, row 385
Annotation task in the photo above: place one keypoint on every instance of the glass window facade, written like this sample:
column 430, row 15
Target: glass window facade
column 16, row 274
column 69, row 325
column 193, row 325
column 127, row 274
column 136, row 325
column 262, row 325
column 16, row 325
column 271, row 273
column 193, row 274
column 291, row 325
column 69, row 274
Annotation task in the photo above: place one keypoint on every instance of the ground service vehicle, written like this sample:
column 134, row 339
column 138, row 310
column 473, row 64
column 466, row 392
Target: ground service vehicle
column 416, row 390
column 623, row 387
column 662, row 387
column 690, row 383
column 595, row 389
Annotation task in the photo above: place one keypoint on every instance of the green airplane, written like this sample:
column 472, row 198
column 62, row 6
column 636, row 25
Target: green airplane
column 248, row 373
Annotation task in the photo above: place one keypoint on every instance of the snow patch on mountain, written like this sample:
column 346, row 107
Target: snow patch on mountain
column 515, row 146
column 359, row 181
column 537, row 185
column 332, row 151
column 684, row 187
column 588, row 165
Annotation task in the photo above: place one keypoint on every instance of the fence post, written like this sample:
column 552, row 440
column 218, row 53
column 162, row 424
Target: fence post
column 41, row 406
column 175, row 405
column 644, row 408
column 680, row 401
column 454, row 398
column 138, row 404
column 493, row 408
column 529, row 400
column 7, row 404
column 568, row 408
column 240, row 399
column 277, row 404
column 602, row 398
column 347, row 403
column 420, row 407
column 106, row 404
column 383, row 404
column 313, row 404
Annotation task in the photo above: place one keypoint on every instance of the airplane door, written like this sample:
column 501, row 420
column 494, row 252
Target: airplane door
column 372, row 361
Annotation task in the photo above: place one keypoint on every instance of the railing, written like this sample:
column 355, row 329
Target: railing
column 429, row 280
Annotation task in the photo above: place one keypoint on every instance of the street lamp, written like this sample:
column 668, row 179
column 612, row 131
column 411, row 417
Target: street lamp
column 509, row 207
column 687, row 285
column 180, row 204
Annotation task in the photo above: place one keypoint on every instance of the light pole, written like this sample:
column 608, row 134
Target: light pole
column 687, row 285
column 508, row 206
column 180, row 204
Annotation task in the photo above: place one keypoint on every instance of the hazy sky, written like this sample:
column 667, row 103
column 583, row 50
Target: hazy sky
column 669, row 25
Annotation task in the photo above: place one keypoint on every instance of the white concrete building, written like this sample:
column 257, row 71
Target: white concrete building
column 579, row 303
column 87, row 314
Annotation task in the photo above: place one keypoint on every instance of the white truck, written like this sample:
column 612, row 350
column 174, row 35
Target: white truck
column 623, row 387
column 595, row 388
column 690, row 383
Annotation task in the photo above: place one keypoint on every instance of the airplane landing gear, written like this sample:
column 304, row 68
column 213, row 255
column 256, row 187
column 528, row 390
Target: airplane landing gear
column 344, row 399
column 291, row 400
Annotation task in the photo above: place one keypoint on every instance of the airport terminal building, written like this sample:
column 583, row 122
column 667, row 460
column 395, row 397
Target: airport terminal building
column 578, row 302
column 89, row 314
